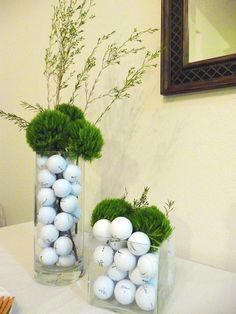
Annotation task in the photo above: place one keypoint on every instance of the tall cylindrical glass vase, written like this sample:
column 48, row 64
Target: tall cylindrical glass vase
column 58, row 236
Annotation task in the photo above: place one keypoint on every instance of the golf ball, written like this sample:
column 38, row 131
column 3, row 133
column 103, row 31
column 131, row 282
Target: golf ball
column 62, row 188
column 125, row 292
column 115, row 274
column 63, row 222
column 49, row 233
column 46, row 215
column 76, row 189
column 46, row 197
column 41, row 161
column 48, row 256
column 121, row 228
column 103, row 255
column 56, row 164
column 67, row 260
column 69, row 203
column 101, row 229
column 139, row 243
column 63, row 246
column 46, row 178
column 148, row 265
column 124, row 260
column 72, row 173
column 76, row 214
column 136, row 277
column 117, row 244
column 145, row 297
column 103, row 287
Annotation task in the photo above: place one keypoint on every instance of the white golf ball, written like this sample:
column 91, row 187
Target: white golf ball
column 46, row 178
column 63, row 246
column 125, row 292
column 46, row 197
column 102, row 230
column 49, row 233
column 46, row 215
column 103, row 287
column 48, row 256
column 72, row 173
column 43, row 244
column 76, row 189
column 117, row 244
column 124, row 260
column 138, row 243
column 76, row 214
column 41, row 161
column 148, row 265
column 103, row 255
column 121, row 228
column 56, row 164
column 136, row 277
column 115, row 274
column 145, row 297
column 63, row 222
column 62, row 188
column 67, row 260
column 69, row 203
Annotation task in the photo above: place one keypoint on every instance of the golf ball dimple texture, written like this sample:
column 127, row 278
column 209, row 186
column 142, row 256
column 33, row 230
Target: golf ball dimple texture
column 103, row 287
column 48, row 256
column 46, row 197
column 145, row 297
column 103, row 255
column 63, row 246
column 46, row 215
column 125, row 292
column 56, row 164
column 63, row 222
column 139, row 243
column 46, row 178
column 102, row 229
column 121, row 228
column 124, row 260
column 62, row 188
column 72, row 173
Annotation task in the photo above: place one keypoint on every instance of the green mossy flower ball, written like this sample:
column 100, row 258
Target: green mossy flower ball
column 85, row 140
column 110, row 209
column 48, row 132
column 73, row 112
column 153, row 222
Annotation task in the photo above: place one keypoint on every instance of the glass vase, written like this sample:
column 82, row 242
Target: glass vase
column 58, row 219
column 122, row 282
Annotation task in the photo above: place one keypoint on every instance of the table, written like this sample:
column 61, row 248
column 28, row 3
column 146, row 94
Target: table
column 199, row 289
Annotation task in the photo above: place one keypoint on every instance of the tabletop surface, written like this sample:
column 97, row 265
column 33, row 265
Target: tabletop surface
column 199, row 289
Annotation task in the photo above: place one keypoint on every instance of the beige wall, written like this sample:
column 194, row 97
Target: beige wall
column 183, row 147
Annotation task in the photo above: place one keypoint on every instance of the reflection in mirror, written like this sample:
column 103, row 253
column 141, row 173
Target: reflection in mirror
column 212, row 28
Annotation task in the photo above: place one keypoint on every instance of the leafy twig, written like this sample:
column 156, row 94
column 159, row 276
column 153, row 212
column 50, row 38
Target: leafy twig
column 138, row 203
column 169, row 207
column 20, row 122
column 125, row 194
column 27, row 106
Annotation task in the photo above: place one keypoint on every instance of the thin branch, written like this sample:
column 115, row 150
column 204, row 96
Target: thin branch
column 27, row 106
column 20, row 122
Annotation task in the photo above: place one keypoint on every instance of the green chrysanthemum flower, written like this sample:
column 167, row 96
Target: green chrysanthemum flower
column 86, row 140
column 73, row 112
column 48, row 132
column 110, row 209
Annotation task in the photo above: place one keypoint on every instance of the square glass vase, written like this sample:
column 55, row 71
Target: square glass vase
column 123, row 282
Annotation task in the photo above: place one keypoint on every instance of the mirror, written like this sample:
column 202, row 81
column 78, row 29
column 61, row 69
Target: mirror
column 198, row 45
column 211, row 28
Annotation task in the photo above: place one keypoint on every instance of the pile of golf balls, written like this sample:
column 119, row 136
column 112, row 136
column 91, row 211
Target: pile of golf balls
column 130, row 272
column 57, row 200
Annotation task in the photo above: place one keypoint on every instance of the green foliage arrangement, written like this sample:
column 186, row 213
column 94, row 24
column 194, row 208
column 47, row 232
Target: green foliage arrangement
column 67, row 40
column 148, row 219
column 110, row 209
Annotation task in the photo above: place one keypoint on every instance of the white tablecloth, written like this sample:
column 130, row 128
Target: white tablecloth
column 199, row 289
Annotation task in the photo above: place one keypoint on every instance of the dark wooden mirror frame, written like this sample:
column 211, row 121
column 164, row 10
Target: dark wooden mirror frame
column 177, row 74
